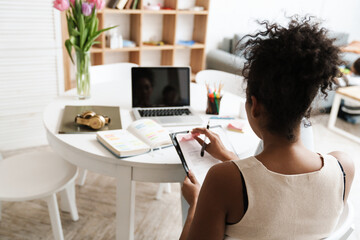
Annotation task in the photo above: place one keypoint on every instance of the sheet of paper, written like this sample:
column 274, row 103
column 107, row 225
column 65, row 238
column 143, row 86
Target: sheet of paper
column 191, row 151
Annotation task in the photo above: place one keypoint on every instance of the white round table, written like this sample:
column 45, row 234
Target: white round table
column 86, row 152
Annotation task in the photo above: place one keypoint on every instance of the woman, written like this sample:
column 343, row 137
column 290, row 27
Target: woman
column 286, row 191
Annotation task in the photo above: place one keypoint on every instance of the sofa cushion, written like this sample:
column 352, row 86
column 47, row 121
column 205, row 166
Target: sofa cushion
column 341, row 38
column 235, row 43
column 226, row 45
column 224, row 61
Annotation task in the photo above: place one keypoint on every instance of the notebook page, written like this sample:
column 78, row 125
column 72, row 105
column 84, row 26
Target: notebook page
column 191, row 151
column 150, row 132
column 121, row 142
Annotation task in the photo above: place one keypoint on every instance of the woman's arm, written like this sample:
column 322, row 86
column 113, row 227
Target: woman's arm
column 190, row 190
column 219, row 200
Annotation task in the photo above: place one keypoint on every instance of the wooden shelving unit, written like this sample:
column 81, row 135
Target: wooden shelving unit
column 197, row 51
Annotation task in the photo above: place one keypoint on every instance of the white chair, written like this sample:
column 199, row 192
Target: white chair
column 40, row 175
column 232, row 83
column 345, row 226
column 108, row 73
column 111, row 72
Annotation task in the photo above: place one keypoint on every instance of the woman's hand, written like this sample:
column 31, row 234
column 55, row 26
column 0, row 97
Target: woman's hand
column 190, row 189
column 215, row 148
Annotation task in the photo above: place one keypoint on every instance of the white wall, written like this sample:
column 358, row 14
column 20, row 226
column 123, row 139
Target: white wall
column 228, row 17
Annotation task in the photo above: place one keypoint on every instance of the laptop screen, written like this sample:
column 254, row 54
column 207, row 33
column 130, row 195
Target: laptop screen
column 160, row 86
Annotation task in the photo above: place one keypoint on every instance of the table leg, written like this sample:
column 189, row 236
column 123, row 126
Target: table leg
column 125, row 204
column 334, row 111
column 82, row 176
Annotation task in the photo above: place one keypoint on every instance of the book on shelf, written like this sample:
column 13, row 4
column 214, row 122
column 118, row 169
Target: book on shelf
column 128, row 4
column 188, row 149
column 140, row 137
column 121, row 4
column 68, row 124
column 134, row 6
column 113, row 3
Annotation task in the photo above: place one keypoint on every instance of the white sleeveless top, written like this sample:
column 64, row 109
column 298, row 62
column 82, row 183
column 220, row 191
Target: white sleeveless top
column 301, row 206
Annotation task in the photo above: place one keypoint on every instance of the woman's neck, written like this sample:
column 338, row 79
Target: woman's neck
column 275, row 142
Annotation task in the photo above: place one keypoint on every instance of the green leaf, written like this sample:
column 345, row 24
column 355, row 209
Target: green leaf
column 81, row 30
column 97, row 34
column 93, row 43
column 71, row 26
column 96, row 27
column 77, row 48
column 68, row 46
column 74, row 41
column 68, row 23
column 83, row 37
column 93, row 22
column 77, row 7
column 91, row 39
column 74, row 32
column 106, row 29
column 81, row 23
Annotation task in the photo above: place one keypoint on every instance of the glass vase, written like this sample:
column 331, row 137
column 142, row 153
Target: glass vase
column 83, row 74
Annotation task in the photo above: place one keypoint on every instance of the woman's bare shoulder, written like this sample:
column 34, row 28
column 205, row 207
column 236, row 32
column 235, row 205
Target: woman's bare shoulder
column 346, row 161
column 348, row 165
column 224, row 172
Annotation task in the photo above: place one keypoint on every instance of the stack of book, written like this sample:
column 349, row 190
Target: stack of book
column 123, row 4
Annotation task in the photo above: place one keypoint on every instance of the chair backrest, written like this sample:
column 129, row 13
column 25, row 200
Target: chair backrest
column 232, row 83
column 345, row 226
column 111, row 72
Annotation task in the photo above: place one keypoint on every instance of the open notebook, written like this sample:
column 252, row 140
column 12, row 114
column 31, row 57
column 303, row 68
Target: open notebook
column 140, row 137
column 189, row 149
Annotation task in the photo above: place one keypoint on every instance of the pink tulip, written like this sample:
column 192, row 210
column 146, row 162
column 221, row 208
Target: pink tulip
column 100, row 4
column 72, row 2
column 61, row 5
column 86, row 8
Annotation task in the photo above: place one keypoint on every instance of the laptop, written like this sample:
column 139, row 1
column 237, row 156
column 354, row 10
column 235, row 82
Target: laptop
column 163, row 94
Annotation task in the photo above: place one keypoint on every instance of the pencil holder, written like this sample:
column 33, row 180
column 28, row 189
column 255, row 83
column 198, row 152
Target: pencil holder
column 213, row 105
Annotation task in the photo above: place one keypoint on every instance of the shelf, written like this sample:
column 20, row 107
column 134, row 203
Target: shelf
column 96, row 50
column 144, row 11
column 192, row 77
column 204, row 12
column 163, row 47
column 138, row 30
column 159, row 11
column 124, row 49
column 124, row 11
column 194, row 46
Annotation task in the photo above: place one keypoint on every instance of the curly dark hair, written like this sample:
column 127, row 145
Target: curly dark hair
column 286, row 67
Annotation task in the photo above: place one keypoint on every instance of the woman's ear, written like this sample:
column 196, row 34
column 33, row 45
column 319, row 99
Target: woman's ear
column 255, row 107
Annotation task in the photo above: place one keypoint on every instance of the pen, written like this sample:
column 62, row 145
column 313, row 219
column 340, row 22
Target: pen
column 203, row 145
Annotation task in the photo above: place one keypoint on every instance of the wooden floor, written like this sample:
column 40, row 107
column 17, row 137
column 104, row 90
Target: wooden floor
column 154, row 219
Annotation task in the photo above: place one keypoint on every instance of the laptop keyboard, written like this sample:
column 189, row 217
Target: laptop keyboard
column 164, row 112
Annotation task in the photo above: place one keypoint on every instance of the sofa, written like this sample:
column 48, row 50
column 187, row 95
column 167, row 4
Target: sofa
column 228, row 59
